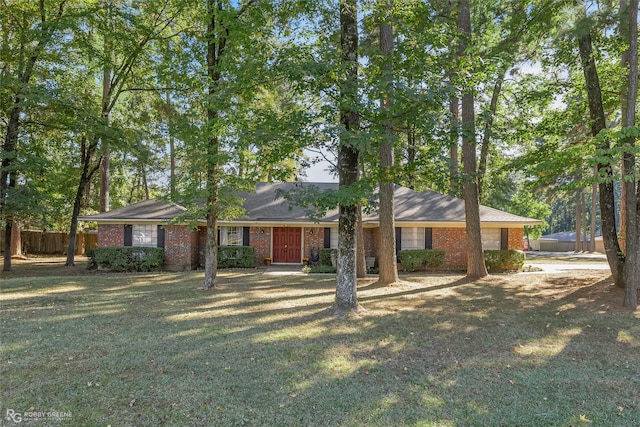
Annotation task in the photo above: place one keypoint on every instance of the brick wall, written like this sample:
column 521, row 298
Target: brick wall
column 260, row 239
column 180, row 247
column 454, row 243
column 313, row 237
column 371, row 241
column 515, row 238
column 185, row 248
column 202, row 245
column 195, row 251
column 110, row 235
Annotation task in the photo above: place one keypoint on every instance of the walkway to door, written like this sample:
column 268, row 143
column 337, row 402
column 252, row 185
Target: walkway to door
column 284, row 270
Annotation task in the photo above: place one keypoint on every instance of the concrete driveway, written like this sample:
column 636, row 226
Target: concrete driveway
column 557, row 262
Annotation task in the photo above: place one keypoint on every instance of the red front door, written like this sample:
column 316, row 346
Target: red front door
column 287, row 242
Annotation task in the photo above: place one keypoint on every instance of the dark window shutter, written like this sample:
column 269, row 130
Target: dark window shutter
column 128, row 235
column 428, row 238
column 160, row 237
column 218, row 238
column 398, row 239
column 245, row 236
column 327, row 237
column 504, row 239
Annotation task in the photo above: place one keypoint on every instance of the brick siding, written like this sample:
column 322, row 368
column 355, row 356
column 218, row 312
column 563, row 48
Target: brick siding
column 371, row 241
column 202, row 246
column 185, row 248
column 260, row 239
column 180, row 247
column 454, row 243
column 110, row 235
column 515, row 238
column 313, row 237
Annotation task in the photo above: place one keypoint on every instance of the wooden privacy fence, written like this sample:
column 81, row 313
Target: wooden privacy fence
column 51, row 243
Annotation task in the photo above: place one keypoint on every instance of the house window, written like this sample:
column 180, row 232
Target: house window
column 411, row 238
column 144, row 235
column 231, row 236
column 333, row 239
column 491, row 238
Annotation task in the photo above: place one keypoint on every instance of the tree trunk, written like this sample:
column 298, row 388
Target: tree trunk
column 411, row 156
column 16, row 240
column 105, row 166
column 361, row 259
column 7, row 177
column 172, row 148
column 145, row 184
column 107, row 74
column 388, row 267
column 215, row 49
column 488, row 129
column 454, row 110
column 172, row 174
column 211, row 247
column 475, row 256
column 585, row 225
column 594, row 206
column 346, row 281
column 87, row 154
column 607, row 199
column 105, row 177
column 629, row 26
column 578, row 223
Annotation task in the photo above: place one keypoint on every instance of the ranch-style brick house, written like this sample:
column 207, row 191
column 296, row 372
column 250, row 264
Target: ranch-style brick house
column 279, row 230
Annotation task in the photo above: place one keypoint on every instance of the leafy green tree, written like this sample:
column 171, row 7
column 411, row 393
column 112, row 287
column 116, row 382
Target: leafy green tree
column 119, row 70
column 30, row 34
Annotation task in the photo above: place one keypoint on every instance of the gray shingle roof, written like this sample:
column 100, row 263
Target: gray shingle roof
column 148, row 210
column 268, row 205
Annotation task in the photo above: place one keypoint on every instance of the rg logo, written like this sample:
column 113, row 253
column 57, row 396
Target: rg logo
column 14, row 416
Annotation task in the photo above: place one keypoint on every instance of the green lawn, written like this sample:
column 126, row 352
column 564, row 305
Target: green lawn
column 149, row 350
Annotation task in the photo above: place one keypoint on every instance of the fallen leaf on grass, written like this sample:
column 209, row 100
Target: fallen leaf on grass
column 584, row 419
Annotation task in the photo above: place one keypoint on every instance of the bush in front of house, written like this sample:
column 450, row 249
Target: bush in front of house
column 322, row 269
column 325, row 256
column 90, row 253
column 504, row 260
column 236, row 257
column 413, row 259
column 126, row 258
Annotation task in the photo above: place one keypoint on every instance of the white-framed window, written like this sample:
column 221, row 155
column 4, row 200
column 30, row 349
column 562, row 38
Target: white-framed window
column 491, row 238
column 333, row 238
column 144, row 235
column 231, row 236
column 412, row 237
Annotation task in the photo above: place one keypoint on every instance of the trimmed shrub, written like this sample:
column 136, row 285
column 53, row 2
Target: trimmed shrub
column 322, row 269
column 504, row 260
column 127, row 258
column 236, row 257
column 413, row 259
column 325, row 256
column 90, row 253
